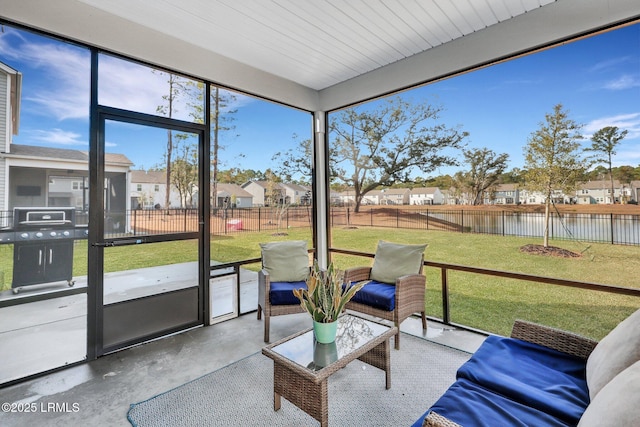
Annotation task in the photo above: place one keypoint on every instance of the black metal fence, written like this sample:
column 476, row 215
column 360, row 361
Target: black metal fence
column 222, row 221
column 618, row 229
column 161, row 221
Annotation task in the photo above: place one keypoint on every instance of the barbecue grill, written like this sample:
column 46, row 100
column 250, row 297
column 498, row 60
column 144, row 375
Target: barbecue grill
column 43, row 245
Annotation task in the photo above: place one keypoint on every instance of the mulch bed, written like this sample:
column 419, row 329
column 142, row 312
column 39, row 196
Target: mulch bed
column 549, row 251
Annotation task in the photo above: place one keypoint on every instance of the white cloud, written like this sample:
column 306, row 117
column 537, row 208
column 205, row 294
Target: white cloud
column 131, row 86
column 627, row 154
column 623, row 82
column 58, row 137
column 62, row 91
column 136, row 87
column 610, row 64
column 629, row 122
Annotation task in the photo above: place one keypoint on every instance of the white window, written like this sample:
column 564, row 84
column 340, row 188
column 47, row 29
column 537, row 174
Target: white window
column 139, row 187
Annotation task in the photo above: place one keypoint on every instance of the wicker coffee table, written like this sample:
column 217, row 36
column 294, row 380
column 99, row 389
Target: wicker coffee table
column 301, row 366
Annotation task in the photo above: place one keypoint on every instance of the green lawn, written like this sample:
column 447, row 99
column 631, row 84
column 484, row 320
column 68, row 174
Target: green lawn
column 483, row 302
column 492, row 303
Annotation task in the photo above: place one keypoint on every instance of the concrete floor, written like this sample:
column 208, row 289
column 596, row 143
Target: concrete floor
column 31, row 333
column 99, row 393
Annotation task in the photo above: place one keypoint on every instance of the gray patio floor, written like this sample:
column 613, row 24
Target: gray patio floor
column 100, row 392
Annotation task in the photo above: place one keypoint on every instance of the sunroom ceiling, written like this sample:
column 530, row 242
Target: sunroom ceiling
column 319, row 55
column 317, row 43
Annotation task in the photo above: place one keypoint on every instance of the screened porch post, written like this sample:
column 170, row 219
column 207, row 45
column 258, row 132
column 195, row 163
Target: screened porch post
column 320, row 171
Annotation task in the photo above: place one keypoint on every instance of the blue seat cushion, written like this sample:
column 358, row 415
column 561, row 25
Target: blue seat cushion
column 533, row 375
column 281, row 293
column 378, row 295
column 472, row 405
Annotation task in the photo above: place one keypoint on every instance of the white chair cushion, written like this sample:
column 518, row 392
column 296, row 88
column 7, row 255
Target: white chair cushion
column 286, row 261
column 614, row 353
column 618, row 403
column 394, row 260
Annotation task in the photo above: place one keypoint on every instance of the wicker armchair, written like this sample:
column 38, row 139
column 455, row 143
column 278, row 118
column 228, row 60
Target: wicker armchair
column 285, row 266
column 407, row 291
column 557, row 339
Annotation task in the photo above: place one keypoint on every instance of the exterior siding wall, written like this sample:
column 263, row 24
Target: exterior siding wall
column 5, row 136
column 5, row 128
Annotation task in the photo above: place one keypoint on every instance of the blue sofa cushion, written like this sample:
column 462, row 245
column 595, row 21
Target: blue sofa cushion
column 378, row 295
column 471, row 405
column 533, row 375
column 281, row 293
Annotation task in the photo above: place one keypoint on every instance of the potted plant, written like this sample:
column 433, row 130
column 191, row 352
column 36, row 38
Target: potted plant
column 324, row 299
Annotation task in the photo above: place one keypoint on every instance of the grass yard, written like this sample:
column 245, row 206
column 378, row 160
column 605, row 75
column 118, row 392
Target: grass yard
column 492, row 303
column 483, row 302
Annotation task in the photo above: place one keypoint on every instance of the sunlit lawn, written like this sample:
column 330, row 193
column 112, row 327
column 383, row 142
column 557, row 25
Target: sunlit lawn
column 483, row 302
column 492, row 303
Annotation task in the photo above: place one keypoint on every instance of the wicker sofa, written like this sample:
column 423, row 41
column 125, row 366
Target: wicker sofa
column 542, row 376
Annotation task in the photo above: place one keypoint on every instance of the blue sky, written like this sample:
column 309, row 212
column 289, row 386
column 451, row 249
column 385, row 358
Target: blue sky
column 596, row 79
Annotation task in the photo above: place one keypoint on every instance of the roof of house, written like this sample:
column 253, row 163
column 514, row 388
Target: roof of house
column 507, row 187
column 232, row 190
column 424, row 190
column 263, row 184
column 64, row 154
column 296, row 187
column 598, row 185
column 401, row 191
column 7, row 68
column 148, row 177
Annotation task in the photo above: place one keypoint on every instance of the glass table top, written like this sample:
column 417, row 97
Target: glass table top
column 353, row 332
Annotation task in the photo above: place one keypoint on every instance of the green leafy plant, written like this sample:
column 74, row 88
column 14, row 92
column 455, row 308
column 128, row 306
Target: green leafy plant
column 325, row 296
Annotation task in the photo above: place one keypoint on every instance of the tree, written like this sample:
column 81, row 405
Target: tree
column 221, row 120
column 176, row 86
column 514, row 176
column 552, row 159
column 603, row 144
column 379, row 147
column 184, row 176
column 239, row 176
column 295, row 161
column 625, row 174
column 484, row 171
column 276, row 199
column 442, row 181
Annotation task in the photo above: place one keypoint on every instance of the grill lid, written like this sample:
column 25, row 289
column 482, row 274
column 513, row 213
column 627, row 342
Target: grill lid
column 39, row 217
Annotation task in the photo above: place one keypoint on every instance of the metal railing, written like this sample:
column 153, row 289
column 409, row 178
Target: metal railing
column 445, row 269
